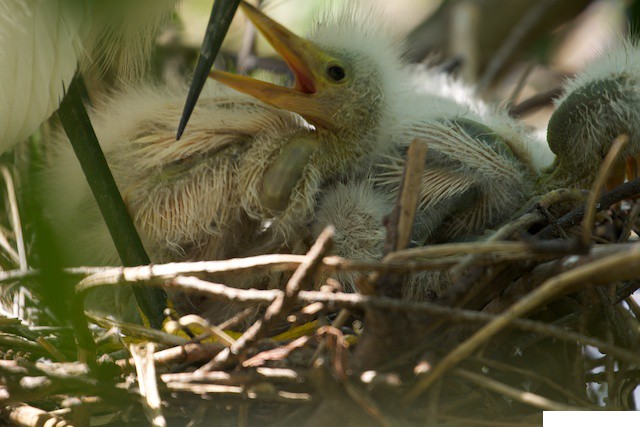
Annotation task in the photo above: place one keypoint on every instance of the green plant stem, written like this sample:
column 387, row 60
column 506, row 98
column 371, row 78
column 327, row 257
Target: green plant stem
column 76, row 123
column 221, row 15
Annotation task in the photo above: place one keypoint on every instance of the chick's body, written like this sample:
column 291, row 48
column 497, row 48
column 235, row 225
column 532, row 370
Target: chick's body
column 186, row 197
column 598, row 104
column 479, row 171
column 249, row 178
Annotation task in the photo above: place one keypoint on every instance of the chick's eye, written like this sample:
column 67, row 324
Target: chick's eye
column 336, row 73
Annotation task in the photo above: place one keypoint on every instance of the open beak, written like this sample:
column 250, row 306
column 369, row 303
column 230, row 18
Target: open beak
column 305, row 61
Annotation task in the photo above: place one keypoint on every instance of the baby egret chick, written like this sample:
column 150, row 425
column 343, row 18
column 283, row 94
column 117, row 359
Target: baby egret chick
column 349, row 83
column 361, row 97
column 244, row 163
column 42, row 43
column 478, row 173
column 185, row 197
column 479, row 169
column 599, row 104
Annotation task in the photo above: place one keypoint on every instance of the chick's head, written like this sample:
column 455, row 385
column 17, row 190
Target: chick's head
column 348, row 75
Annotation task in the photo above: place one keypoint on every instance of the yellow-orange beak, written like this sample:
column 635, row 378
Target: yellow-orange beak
column 305, row 60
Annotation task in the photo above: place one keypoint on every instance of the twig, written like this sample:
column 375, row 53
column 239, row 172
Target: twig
column 521, row 396
column 27, row 416
column 187, row 353
column 627, row 190
column 520, row 84
column 17, row 343
column 213, row 391
column 535, row 102
column 6, row 246
column 562, row 389
column 362, row 302
column 15, row 217
column 402, row 261
column 598, row 184
column 512, row 41
column 402, row 219
column 237, row 318
column 51, row 349
column 146, row 370
column 238, row 377
column 457, row 292
column 614, row 267
column 301, row 278
column 629, row 223
column 337, row 323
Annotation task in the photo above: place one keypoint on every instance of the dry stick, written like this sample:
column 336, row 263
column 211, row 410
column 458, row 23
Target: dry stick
column 219, row 392
column 238, row 377
column 512, row 41
column 51, row 349
column 361, row 302
column 385, row 333
column 520, row 84
column 398, row 262
column 629, row 223
column 186, row 353
column 627, row 190
column 633, row 306
column 274, row 262
column 496, row 241
column 337, row 323
column 15, row 218
column 27, row 416
column 598, row 184
column 402, row 218
column 617, row 267
column 6, row 246
column 237, row 318
column 20, row 301
column 146, row 371
column 521, row 396
column 561, row 389
column 466, row 287
column 535, row 102
column 302, row 277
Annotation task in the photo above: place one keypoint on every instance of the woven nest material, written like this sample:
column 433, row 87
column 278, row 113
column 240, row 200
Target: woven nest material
column 539, row 317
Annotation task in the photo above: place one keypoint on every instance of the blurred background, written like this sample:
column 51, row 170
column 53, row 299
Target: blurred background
column 512, row 50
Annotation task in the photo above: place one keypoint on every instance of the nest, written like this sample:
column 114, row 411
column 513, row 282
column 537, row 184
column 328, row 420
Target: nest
column 538, row 317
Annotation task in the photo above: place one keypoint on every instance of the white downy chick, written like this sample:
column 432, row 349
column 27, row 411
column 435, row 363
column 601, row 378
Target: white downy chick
column 599, row 103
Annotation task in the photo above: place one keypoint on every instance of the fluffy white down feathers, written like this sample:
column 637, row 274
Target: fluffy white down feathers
column 42, row 43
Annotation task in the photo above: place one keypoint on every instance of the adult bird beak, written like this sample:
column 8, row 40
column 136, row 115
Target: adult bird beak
column 309, row 97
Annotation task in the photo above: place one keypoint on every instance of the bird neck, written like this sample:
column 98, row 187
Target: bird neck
column 341, row 152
